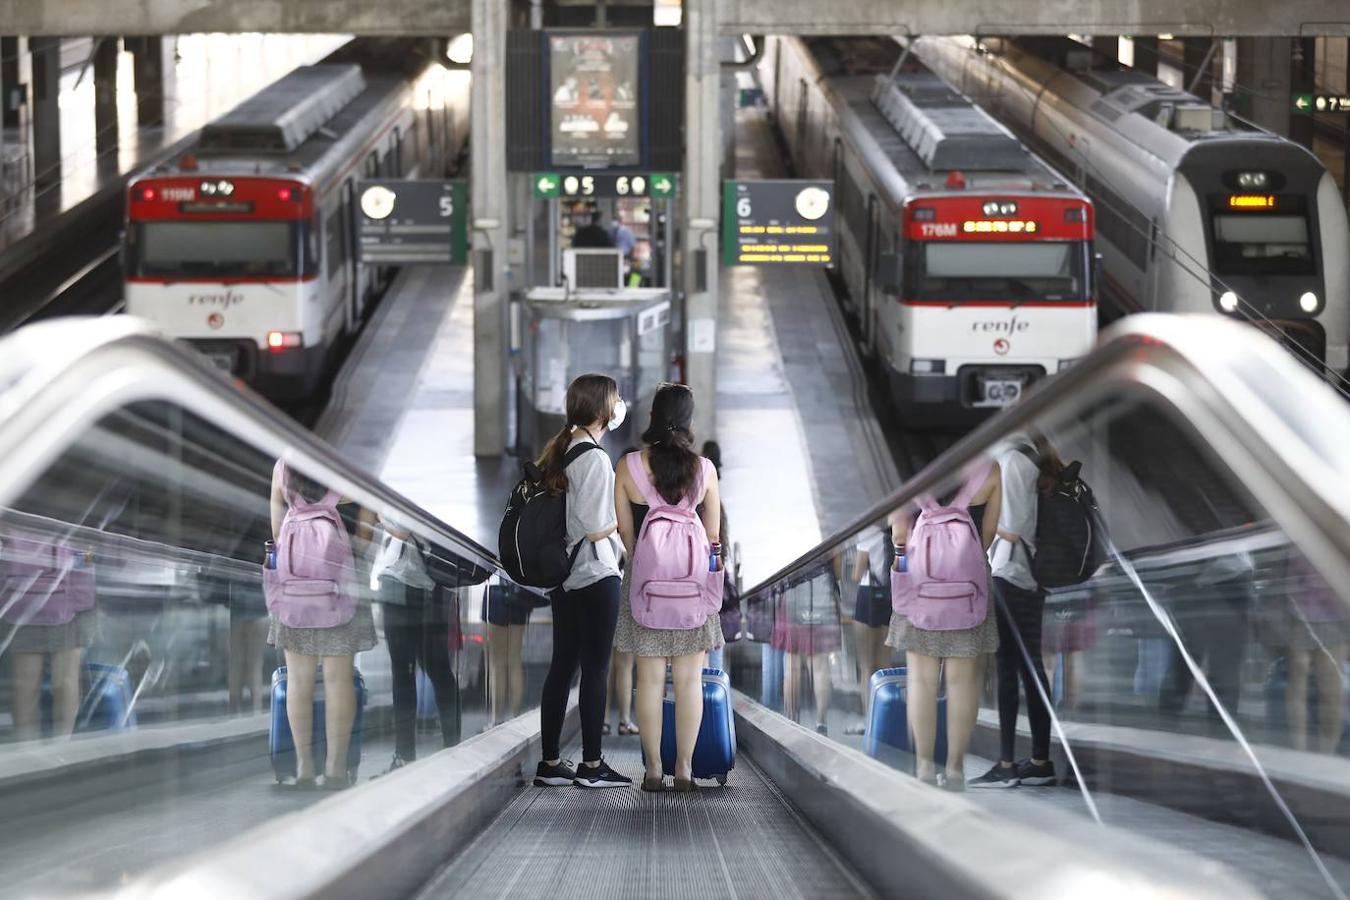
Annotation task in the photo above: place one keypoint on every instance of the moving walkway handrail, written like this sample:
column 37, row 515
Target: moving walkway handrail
column 60, row 378
column 1284, row 432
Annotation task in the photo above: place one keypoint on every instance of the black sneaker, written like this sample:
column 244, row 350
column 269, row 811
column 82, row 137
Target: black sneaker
column 601, row 776
column 1000, row 776
column 560, row 775
column 1036, row 774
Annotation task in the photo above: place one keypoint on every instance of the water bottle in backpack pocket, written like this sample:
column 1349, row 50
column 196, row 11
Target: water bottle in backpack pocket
column 671, row 587
column 314, row 582
column 946, row 587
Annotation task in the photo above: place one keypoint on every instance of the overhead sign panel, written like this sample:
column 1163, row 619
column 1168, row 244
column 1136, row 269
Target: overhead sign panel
column 775, row 222
column 1316, row 103
column 601, row 184
column 594, row 90
column 409, row 222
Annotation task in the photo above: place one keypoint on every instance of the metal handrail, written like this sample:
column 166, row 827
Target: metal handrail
column 60, row 378
column 1283, row 432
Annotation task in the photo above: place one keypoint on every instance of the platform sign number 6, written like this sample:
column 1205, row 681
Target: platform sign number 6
column 743, row 207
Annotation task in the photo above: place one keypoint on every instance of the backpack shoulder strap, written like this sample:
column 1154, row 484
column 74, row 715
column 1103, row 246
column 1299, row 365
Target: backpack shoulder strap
column 973, row 484
column 577, row 452
column 644, row 483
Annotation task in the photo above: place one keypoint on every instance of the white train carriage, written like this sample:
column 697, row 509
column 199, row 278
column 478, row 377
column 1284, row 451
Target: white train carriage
column 243, row 246
column 968, row 261
column 1196, row 211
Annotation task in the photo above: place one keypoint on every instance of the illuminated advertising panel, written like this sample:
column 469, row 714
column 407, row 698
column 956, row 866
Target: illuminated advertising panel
column 594, row 91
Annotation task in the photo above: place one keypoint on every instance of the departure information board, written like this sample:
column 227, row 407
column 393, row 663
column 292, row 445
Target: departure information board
column 778, row 222
column 593, row 83
column 407, row 222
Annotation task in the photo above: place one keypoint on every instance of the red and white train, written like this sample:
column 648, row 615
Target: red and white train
column 243, row 245
column 968, row 260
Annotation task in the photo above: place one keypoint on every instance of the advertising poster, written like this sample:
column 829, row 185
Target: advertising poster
column 594, row 90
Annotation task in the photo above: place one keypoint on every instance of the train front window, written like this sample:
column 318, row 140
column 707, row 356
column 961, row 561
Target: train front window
column 223, row 249
column 1255, row 244
column 1004, row 270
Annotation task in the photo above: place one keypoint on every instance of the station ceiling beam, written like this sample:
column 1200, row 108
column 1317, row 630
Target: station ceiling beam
column 1105, row 17
column 1196, row 18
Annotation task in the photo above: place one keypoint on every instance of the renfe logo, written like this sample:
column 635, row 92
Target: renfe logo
column 224, row 299
column 1006, row 326
column 937, row 229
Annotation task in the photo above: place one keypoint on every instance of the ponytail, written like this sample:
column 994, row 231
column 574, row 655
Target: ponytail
column 551, row 462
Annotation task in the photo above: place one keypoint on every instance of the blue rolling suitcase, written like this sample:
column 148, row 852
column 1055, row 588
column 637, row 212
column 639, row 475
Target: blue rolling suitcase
column 715, row 750
column 888, row 736
column 282, row 748
column 105, row 705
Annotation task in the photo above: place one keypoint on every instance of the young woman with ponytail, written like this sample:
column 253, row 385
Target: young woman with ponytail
column 677, row 472
column 586, row 606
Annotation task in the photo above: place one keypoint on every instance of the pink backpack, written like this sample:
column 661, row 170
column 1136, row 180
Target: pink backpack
column 314, row 582
column 947, row 585
column 671, row 587
column 41, row 582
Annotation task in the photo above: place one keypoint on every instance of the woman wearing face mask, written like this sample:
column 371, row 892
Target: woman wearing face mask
column 586, row 607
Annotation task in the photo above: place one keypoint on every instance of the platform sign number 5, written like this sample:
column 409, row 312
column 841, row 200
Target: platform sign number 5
column 447, row 205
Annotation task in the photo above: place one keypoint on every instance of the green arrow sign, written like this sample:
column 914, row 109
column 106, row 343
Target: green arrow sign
column 547, row 184
column 1303, row 102
column 661, row 184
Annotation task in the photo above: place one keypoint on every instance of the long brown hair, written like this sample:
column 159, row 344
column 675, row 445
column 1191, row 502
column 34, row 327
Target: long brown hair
column 590, row 398
column 670, row 439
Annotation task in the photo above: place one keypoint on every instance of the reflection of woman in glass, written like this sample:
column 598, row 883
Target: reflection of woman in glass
column 47, row 597
column 1317, row 647
column 871, row 610
column 336, row 646
column 807, row 631
column 506, row 610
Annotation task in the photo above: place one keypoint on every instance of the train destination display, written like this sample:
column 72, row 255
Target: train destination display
column 408, row 222
column 594, row 90
column 776, row 222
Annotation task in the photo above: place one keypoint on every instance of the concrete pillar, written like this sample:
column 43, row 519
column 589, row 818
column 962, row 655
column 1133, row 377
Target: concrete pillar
column 490, row 204
column 1146, row 54
column 702, row 191
column 1302, row 80
column 45, row 53
column 11, row 81
column 149, row 76
column 1263, row 81
column 105, row 101
column 1198, row 65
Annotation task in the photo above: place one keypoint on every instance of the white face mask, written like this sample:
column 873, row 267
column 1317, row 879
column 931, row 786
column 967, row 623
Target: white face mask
column 620, row 413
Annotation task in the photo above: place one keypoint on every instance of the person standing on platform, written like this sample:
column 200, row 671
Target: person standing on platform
column 586, row 606
column 667, row 474
column 591, row 235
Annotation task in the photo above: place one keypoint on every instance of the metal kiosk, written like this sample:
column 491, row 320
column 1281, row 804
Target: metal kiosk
column 624, row 333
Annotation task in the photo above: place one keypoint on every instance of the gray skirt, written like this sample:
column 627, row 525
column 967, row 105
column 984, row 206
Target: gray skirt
column 343, row 640
column 77, row 634
column 630, row 637
column 963, row 643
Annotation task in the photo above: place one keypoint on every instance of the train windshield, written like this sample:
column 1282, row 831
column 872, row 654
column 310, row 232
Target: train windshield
column 197, row 249
column 1004, row 270
column 1246, row 244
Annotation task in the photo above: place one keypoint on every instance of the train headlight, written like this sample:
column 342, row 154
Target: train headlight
column 1252, row 180
column 1228, row 301
column 928, row 366
column 1308, row 301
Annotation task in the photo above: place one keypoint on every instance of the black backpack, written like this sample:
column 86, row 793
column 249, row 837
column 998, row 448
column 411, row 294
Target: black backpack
column 1068, row 546
column 532, row 541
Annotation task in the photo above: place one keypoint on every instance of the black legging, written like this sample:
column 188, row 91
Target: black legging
column 418, row 633
column 583, row 635
column 1025, row 609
